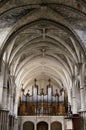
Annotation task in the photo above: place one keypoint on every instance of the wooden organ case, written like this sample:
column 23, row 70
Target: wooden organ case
column 42, row 104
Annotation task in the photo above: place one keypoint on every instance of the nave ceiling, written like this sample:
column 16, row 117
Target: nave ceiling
column 43, row 39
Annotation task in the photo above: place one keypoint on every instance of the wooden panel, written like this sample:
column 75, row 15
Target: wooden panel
column 76, row 123
column 33, row 109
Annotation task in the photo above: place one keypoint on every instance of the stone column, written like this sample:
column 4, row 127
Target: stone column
column 4, row 99
column 15, row 124
column 35, row 126
column 15, row 113
column 16, row 107
column 69, row 124
column 12, row 125
column 20, row 123
column 9, row 101
column 83, row 120
column 49, row 123
column 0, row 120
column 4, row 96
column 82, row 95
column 1, row 88
column 74, row 104
column 11, row 105
column 4, row 120
column 69, row 96
column 11, row 98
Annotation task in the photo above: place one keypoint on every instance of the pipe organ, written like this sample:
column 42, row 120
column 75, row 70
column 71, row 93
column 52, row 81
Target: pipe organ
column 41, row 103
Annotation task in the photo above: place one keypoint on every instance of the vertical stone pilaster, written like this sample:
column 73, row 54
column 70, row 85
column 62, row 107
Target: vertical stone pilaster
column 15, row 124
column 83, row 120
column 4, row 99
column 49, row 123
column 0, row 119
column 4, row 120
column 15, row 108
column 12, row 123
column 1, row 88
column 74, row 104
column 69, row 96
column 9, row 101
column 81, row 78
column 49, row 126
column 4, row 96
column 69, row 124
column 11, row 105
column 82, row 98
column 35, row 126
column 20, row 123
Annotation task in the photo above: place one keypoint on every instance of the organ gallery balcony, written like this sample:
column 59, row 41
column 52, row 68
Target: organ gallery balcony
column 41, row 103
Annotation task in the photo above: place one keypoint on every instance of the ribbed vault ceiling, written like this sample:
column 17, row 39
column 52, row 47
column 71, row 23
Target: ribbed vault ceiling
column 43, row 39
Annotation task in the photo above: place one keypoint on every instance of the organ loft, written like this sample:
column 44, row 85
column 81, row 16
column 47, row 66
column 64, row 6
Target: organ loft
column 40, row 103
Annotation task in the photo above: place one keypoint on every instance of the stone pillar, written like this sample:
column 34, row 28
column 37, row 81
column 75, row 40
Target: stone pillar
column 9, row 101
column 15, row 124
column 69, row 124
column 11, row 98
column 16, row 108
column 82, row 98
column 83, row 120
column 49, row 126
column 69, row 96
column 20, row 123
column 35, row 126
column 0, row 120
column 1, row 88
column 82, row 95
column 4, row 96
column 4, row 120
column 12, row 123
column 74, row 104
column 49, row 123
column 11, row 105
column 15, row 113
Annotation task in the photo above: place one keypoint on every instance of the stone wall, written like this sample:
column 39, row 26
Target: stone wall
column 37, row 119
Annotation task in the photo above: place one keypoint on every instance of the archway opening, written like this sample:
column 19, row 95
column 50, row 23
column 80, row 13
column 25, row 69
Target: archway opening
column 56, row 126
column 28, row 126
column 42, row 126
